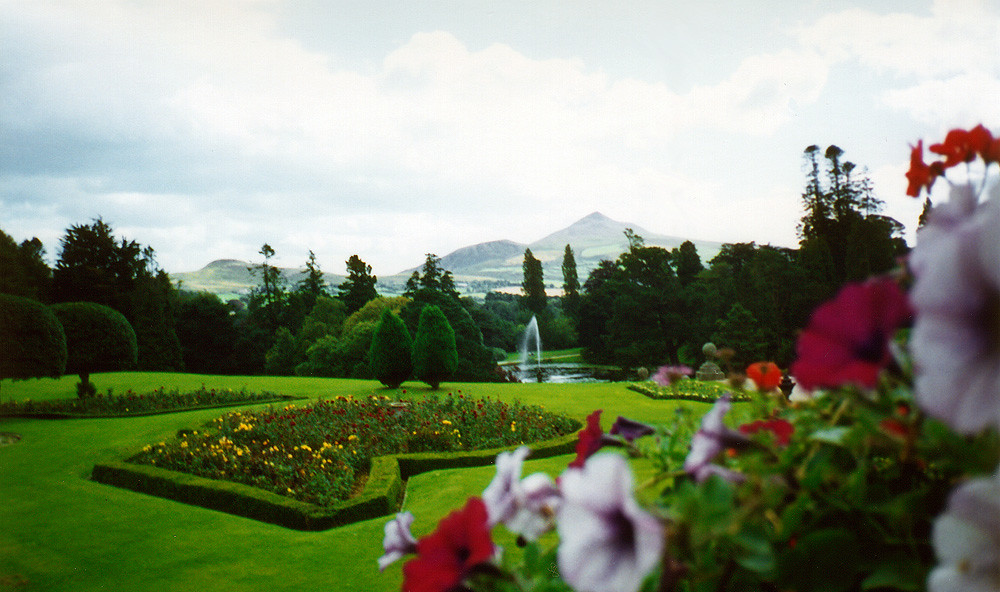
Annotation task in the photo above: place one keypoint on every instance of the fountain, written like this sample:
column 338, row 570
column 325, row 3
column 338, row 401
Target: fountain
column 531, row 331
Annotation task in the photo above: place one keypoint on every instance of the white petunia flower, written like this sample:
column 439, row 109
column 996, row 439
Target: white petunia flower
column 967, row 540
column 398, row 540
column 607, row 542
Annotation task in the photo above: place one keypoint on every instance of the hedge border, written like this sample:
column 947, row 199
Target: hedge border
column 63, row 415
column 663, row 393
column 382, row 493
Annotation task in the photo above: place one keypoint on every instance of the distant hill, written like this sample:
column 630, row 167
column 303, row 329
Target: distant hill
column 232, row 276
column 477, row 267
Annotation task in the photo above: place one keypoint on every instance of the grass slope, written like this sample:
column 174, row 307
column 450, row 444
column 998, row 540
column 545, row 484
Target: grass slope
column 62, row 531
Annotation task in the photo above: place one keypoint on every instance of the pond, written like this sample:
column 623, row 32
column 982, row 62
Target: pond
column 566, row 372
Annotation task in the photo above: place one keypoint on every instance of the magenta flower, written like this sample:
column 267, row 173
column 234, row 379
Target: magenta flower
column 709, row 441
column 398, row 541
column 607, row 542
column 967, row 539
column 956, row 337
column 629, row 429
column 847, row 340
column 591, row 439
column 525, row 506
column 668, row 375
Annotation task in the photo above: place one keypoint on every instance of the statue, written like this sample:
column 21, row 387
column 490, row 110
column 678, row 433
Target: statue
column 709, row 370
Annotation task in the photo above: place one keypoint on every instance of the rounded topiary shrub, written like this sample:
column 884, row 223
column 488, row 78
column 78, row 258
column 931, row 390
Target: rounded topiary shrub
column 98, row 339
column 435, row 356
column 391, row 350
column 31, row 339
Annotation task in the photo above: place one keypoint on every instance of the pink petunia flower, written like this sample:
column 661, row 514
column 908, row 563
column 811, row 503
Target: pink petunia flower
column 956, row 295
column 709, row 441
column 847, row 340
column 668, row 375
column 967, row 539
column 397, row 541
column 607, row 542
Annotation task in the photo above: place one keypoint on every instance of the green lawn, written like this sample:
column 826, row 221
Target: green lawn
column 61, row 531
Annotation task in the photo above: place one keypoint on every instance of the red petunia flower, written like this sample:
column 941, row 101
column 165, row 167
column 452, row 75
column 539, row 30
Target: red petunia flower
column 766, row 375
column 591, row 439
column 847, row 340
column 781, row 429
column 921, row 175
column 958, row 147
column 445, row 557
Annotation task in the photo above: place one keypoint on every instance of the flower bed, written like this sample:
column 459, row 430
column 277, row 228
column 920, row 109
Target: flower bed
column 320, row 453
column 687, row 390
column 131, row 404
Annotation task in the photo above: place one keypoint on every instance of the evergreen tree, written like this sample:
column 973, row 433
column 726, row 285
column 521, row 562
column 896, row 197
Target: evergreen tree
column 533, row 285
column 448, row 285
column 430, row 278
column 207, row 333
column 391, row 350
column 23, row 271
column 571, row 283
column 687, row 262
column 359, row 287
column 98, row 339
column 740, row 331
column 95, row 266
column 312, row 286
column 32, row 339
column 435, row 356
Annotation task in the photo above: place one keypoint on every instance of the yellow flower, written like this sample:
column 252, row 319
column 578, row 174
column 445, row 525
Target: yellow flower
column 445, row 422
column 352, row 438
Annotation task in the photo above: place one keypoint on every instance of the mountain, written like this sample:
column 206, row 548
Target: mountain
column 477, row 268
column 593, row 238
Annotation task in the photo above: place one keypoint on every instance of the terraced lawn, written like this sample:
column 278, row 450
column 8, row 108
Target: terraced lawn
column 61, row 531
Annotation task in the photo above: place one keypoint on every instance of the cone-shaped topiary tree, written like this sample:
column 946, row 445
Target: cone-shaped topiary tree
column 435, row 356
column 391, row 350
column 98, row 339
column 31, row 339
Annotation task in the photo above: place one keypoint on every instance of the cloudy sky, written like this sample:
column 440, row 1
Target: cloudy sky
column 392, row 129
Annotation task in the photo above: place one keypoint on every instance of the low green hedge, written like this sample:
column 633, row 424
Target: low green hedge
column 382, row 493
column 688, row 390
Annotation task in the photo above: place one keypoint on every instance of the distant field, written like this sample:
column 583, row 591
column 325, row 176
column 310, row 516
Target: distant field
column 62, row 531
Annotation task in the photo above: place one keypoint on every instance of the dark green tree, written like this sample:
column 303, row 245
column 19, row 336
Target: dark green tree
column 268, row 298
column 313, row 285
column 98, row 339
column 571, row 283
column 435, row 357
column 95, row 266
column 23, row 271
column 31, row 338
column 448, row 285
column 740, row 331
column 533, row 285
column 359, row 287
column 687, row 262
column 281, row 359
column 207, row 332
column 391, row 351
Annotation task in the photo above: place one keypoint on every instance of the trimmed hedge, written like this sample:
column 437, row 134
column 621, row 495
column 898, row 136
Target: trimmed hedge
column 688, row 390
column 382, row 494
column 31, row 338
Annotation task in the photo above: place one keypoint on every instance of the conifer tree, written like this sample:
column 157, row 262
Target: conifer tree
column 391, row 350
column 533, row 284
column 571, row 282
column 359, row 287
column 435, row 356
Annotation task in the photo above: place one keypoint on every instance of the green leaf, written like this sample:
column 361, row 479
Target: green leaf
column 757, row 555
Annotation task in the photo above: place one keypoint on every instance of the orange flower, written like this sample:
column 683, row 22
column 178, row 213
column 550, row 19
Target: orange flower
column 766, row 375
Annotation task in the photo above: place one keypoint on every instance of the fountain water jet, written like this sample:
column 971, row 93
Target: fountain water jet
column 531, row 332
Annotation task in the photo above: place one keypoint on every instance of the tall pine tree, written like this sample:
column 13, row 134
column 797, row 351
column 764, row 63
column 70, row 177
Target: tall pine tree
column 533, row 285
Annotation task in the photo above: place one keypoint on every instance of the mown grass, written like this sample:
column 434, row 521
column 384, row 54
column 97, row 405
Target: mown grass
column 61, row 531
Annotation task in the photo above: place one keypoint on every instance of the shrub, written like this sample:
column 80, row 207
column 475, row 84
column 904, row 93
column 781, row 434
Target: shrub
column 31, row 338
column 98, row 339
column 391, row 351
column 435, row 356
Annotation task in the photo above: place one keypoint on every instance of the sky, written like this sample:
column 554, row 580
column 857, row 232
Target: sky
column 205, row 129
